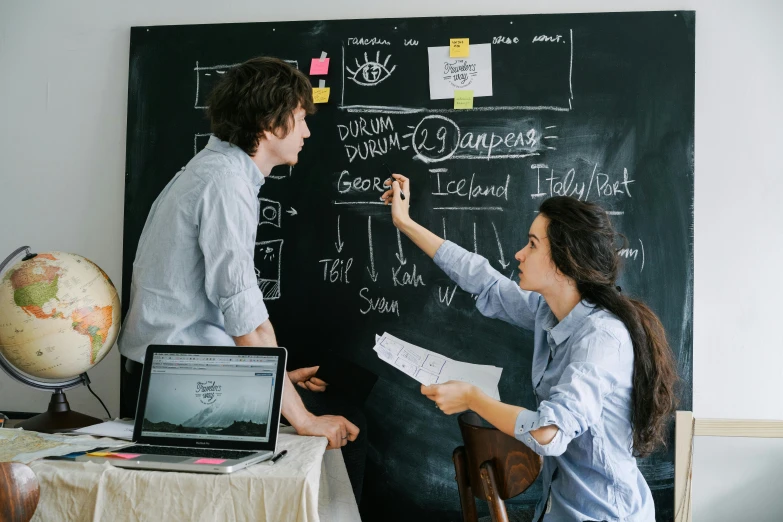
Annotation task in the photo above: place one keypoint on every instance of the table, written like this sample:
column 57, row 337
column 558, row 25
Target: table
column 308, row 485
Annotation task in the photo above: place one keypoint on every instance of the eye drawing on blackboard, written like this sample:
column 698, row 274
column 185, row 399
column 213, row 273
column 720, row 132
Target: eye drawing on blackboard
column 370, row 72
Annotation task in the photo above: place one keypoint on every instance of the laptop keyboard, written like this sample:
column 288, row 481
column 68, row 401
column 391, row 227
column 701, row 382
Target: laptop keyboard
column 188, row 452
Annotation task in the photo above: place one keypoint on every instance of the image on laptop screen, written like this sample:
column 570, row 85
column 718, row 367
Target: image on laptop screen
column 226, row 397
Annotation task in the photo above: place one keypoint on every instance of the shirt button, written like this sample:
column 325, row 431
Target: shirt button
column 529, row 440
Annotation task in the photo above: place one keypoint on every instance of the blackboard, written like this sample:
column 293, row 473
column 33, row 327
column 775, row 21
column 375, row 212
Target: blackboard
column 600, row 106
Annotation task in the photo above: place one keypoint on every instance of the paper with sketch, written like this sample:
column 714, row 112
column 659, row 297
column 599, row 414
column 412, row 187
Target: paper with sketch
column 429, row 367
column 448, row 74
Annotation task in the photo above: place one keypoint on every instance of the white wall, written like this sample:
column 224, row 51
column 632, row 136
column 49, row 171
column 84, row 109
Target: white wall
column 63, row 92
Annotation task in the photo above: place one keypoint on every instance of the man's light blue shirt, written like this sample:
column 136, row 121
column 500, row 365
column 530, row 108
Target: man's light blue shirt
column 194, row 278
column 582, row 377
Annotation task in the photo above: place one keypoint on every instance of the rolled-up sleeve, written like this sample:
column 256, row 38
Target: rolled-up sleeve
column 498, row 296
column 227, row 221
column 576, row 402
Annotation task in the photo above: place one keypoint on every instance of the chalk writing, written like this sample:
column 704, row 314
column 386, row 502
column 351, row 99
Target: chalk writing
column 577, row 184
column 367, row 41
column 336, row 270
column 469, row 189
column 381, row 137
column 407, row 278
column 377, row 304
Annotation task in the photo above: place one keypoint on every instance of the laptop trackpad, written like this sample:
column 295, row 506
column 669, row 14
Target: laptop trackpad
column 161, row 458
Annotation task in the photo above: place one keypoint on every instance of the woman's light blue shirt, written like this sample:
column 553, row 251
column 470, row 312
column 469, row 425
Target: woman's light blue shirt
column 582, row 377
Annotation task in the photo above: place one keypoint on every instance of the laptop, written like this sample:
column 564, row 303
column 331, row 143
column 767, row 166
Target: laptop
column 205, row 409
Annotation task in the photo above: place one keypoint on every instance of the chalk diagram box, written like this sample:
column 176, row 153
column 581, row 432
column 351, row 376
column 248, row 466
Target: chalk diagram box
column 540, row 68
column 268, row 268
column 200, row 141
column 269, row 212
column 281, row 172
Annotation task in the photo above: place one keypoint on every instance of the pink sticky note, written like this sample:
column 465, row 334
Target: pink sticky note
column 319, row 67
column 126, row 455
column 210, row 461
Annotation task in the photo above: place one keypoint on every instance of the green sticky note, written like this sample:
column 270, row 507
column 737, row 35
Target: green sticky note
column 463, row 99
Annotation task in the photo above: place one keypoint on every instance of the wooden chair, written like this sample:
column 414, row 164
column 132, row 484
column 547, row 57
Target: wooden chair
column 19, row 492
column 492, row 466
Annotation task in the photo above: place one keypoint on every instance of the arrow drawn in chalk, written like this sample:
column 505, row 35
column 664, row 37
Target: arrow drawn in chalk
column 502, row 260
column 339, row 245
column 371, row 269
column 400, row 257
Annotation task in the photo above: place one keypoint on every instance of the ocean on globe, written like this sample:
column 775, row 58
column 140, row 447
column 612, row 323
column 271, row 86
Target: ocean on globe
column 59, row 315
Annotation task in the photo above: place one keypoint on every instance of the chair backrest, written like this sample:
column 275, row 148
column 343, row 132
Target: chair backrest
column 19, row 492
column 517, row 466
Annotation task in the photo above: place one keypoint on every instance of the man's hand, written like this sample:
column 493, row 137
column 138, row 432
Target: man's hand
column 305, row 378
column 338, row 430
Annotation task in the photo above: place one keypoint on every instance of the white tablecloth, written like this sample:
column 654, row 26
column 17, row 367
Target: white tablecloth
column 307, row 485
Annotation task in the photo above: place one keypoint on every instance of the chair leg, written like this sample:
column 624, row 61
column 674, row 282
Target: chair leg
column 466, row 498
column 497, row 508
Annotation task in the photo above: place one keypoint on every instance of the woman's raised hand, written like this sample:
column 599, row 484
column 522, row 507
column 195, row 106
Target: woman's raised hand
column 400, row 207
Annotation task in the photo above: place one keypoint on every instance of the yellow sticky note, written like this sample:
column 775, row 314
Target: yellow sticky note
column 459, row 47
column 321, row 94
column 463, row 99
column 100, row 454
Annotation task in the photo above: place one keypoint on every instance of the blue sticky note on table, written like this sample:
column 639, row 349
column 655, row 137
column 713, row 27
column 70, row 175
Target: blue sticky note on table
column 318, row 66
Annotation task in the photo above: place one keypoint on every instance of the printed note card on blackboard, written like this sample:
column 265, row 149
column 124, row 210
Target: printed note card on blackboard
column 448, row 74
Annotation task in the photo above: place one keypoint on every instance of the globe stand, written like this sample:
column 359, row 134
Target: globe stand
column 59, row 417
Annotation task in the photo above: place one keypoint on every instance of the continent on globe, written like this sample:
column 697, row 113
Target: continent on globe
column 94, row 323
column 34, row 284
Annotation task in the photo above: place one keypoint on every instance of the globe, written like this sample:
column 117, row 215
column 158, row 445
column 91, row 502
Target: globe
column 59, row 317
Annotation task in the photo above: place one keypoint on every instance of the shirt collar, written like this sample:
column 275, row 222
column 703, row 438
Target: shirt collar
column 240, row 158
column 561, row 331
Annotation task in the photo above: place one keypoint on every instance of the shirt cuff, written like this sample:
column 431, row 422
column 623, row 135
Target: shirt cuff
column 529, row 420
column 243, row 312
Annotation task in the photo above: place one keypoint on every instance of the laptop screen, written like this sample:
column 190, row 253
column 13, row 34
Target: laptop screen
column 210, row 396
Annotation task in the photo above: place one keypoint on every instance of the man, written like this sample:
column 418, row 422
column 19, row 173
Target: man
column 193, row 276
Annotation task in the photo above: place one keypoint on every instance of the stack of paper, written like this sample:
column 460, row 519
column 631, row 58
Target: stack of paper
column 117, row 429
column 429, row 367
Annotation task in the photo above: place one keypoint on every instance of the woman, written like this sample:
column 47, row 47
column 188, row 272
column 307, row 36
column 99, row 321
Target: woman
column 603, row 372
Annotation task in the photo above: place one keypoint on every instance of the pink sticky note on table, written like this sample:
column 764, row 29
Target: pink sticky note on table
column 126, row 455
column 210, row 461
column 319, row 67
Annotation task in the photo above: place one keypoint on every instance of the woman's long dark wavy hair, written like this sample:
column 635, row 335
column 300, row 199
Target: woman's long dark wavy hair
column 583, row 247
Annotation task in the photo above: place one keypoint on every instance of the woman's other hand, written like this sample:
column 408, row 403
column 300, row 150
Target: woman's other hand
column 450, row 397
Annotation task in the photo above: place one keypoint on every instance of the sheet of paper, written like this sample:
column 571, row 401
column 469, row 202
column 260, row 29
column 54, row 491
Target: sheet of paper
column 463, row 99
column 116, row 429
column 429, row 367
column 448, row 74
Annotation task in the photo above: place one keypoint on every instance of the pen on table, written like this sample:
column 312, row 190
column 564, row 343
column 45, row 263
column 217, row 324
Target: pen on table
column 279, row 456
column 402, row 194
